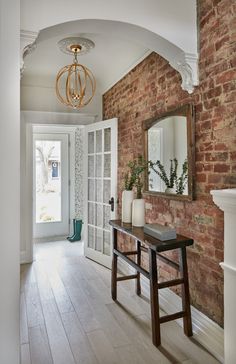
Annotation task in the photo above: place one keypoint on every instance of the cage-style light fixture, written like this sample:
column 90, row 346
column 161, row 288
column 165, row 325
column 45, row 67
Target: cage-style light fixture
column 75, row 83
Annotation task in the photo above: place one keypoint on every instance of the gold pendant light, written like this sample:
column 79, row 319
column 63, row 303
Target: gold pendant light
column 75, row 83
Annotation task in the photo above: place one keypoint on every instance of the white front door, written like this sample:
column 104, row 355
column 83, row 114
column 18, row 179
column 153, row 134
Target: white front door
column 101, row 189
column 51, row 185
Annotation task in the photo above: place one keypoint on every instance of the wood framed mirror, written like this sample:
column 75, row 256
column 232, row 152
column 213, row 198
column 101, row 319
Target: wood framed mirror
column 169, row 145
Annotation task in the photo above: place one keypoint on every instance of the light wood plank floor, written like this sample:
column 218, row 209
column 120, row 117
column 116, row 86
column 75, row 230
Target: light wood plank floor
column 68, row 316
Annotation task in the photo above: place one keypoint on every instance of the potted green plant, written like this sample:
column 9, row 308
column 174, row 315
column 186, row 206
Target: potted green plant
column 134, row 178
column 128, row 196
column 138, row 206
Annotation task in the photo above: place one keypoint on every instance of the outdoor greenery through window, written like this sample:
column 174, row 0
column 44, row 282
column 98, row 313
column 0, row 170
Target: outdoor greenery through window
column 48, row 180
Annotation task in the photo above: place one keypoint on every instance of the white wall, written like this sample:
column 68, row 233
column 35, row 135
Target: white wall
column 37, row 98
column 180, row 130
column 9, row 181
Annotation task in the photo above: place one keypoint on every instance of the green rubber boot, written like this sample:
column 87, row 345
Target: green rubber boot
column 78, row 228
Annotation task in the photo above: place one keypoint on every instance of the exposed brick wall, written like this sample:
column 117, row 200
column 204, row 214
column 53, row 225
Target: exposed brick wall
column 152, row 88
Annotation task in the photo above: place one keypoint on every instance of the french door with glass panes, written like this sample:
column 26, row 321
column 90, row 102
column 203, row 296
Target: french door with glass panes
column 101, row 189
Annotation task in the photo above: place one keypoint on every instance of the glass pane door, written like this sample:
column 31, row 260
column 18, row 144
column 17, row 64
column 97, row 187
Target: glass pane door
column 101, row 187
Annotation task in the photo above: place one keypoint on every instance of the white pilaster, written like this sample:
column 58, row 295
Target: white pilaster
column 9, row 181
column 226, row 200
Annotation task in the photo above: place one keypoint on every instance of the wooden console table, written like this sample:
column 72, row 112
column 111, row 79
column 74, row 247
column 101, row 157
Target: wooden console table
column 154, row 249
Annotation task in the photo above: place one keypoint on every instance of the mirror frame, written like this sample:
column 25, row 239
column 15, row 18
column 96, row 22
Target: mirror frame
column 184, row 110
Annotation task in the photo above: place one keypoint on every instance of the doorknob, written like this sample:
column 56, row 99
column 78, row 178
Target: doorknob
column 111, row 202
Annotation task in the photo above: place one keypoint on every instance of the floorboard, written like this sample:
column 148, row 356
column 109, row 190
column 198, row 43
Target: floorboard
column 39, row 345
column 68, row 316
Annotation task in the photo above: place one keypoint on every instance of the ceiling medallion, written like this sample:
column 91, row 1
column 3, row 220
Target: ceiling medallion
column 75, row 83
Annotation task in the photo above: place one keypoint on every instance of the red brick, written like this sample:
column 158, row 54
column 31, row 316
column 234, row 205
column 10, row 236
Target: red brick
column 231, row 96
column 222, row 42
column 221, row 146
column 230, row 180
column 233, row 156
column 226, row 77
column 227, row 87
column 221, row 168
column 201, row 177
column 214, row 178
column 214, row 92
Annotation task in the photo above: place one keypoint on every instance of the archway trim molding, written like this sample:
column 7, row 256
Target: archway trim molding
column 185, row 63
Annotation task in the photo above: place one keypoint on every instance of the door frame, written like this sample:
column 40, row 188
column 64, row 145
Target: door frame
column 65, row 140
column 58, row 129
column 27, row 131
column 101, row 124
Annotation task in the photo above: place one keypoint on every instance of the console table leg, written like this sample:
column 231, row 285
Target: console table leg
column 185, row 293
column 114, row 267
column 154, row 300
column 138, row 283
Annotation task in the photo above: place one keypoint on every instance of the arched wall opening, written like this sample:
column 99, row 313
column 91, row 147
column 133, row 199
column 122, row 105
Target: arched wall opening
column 184, row 62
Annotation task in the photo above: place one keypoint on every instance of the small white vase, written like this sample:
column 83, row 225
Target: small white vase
column 170, row 190
column 127, row 199
column 138, row 212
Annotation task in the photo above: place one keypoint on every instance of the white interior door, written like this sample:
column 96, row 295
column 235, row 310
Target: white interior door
column 101, row 189
column 51, row 185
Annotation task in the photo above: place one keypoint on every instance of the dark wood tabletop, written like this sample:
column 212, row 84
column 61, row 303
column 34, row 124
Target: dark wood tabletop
column 155, row 244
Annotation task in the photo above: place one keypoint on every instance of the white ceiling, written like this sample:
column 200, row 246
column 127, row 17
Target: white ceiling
column 174, row 20
column 111, row 58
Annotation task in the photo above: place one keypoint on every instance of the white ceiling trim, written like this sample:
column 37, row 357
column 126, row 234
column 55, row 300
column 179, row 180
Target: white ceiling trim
column 45, row 117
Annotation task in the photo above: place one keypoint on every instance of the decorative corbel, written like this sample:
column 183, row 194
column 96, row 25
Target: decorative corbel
column 188, row 69
column 27, row 45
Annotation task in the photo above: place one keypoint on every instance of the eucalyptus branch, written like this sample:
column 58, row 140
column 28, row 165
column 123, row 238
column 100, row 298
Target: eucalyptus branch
column 173, row 180
column 181, row 182
column 169, row 182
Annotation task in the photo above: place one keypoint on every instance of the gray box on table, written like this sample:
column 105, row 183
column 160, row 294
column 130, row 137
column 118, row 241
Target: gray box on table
column 160, row 232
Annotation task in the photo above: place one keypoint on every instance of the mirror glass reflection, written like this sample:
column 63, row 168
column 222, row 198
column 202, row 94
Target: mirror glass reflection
column 167, row 141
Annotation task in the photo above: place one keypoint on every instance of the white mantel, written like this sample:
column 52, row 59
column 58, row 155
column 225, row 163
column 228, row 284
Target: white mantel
column 226, row 201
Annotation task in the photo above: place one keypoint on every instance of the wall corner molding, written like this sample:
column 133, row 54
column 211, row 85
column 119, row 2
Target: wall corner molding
column 27, row 45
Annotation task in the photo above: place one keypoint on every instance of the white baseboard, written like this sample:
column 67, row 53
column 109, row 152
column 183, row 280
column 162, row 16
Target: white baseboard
column 25, row 258
column 205, row 331
column 49, row 239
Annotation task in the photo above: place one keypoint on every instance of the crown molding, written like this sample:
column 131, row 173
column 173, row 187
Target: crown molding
column 48, row 117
